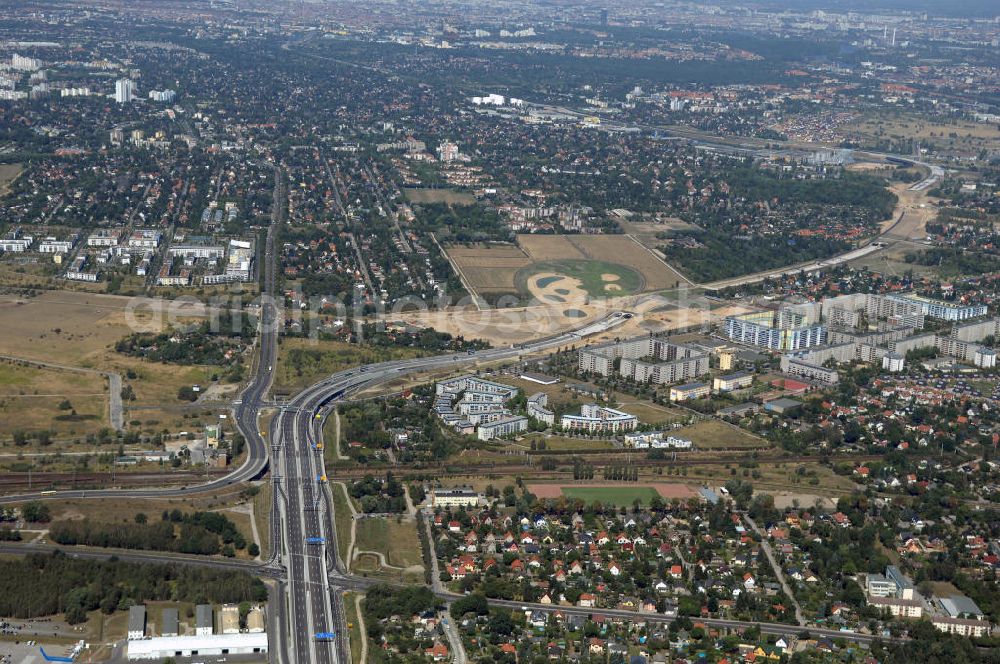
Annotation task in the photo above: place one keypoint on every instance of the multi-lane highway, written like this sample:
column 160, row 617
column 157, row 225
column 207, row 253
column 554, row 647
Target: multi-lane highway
column 306, row 509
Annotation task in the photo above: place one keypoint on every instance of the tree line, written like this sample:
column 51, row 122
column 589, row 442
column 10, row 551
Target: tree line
column 204, row 533
column 43, row 585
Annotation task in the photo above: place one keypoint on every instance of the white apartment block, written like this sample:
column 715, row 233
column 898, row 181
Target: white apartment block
column 51, row 245
column 898, row 608
column 656, row 440
column 537, row 408
column 470, row 383
column 599, row 419
column 104, row 238
column 145, row 239
column 198, row 251
column 505, row 426
column 645, row 359
column 962, row 626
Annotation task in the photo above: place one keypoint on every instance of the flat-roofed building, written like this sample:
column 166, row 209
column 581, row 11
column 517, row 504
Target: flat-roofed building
column 731, row 382
column 876, row 585
column 169, row 622
column 960, row 606
column 505, row 426
column 537, row 408
column 204, row 622
column 645, row 359
column 656, row 440
column 136, row 621
column 541, row 379
column 805, row 369
column 210, row 645
column 942, row 309
column 778, row 330
column 599, row 419
column 455, row 497
column 689, row 391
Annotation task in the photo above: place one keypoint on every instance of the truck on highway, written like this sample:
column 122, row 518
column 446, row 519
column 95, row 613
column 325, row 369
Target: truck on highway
column 326, row 636
column 315, row 540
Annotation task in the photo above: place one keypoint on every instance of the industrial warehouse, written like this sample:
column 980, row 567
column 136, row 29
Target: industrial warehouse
column 229, row 639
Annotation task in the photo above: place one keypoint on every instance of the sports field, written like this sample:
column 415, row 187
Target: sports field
column 619, row 496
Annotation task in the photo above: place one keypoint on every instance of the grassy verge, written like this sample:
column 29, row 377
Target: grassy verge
column 342, row 519
column 262, row 515
column 353, row 625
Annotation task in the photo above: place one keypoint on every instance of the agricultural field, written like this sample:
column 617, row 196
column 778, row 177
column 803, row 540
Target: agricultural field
column 556, row 269
column 449, row 196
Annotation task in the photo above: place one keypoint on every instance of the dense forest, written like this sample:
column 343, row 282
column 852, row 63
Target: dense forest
column 722, row 256
column 42, row 585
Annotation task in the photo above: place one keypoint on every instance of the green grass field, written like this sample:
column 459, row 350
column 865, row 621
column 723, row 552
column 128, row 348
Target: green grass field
column 589, row 272
column 342, row 518
column 398, row 542
column 619, row 496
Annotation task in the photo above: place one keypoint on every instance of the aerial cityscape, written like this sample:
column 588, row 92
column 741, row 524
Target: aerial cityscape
column 412, row 331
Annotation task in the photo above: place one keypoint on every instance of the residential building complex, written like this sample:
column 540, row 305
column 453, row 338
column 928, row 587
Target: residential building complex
column 645, row 359
column 599, row 419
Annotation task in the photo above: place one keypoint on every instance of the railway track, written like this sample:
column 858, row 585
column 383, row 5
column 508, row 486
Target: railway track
column 43, row 481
